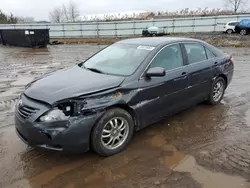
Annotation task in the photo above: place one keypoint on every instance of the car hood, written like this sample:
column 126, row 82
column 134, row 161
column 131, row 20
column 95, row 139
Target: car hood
column 70, row 82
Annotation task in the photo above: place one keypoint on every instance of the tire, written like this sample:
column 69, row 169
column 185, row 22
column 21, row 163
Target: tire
column 213, row 100
column 229, row 31
column 100, row 144
column 243, row 32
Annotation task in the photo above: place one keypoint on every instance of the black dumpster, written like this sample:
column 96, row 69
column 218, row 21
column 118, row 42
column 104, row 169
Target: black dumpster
column 25, row 37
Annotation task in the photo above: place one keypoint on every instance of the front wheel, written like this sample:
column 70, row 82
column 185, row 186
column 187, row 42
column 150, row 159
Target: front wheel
column 113, row 132
column 243, row 32
column 217, row 91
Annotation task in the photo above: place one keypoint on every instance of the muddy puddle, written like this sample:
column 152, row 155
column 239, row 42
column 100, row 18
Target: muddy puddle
column 207, row 178
column 204, row 146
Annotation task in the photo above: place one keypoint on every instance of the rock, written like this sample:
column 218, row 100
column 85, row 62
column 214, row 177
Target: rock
column 157, row 182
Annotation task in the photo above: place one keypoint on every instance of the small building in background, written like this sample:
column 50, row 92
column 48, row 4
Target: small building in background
column 25, row 20
column 146, row 15
column 43, row 22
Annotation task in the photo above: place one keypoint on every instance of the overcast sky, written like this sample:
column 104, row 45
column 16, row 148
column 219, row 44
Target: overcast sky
column 40, row 8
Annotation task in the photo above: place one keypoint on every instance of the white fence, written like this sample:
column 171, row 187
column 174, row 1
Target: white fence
column 127, row 28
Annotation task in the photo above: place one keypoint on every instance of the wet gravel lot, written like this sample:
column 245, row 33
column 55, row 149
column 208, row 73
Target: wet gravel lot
column 203, row 146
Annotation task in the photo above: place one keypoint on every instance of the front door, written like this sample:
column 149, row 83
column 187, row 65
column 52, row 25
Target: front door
column 162, row 96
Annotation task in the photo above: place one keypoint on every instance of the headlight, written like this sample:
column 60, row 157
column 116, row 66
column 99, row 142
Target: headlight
column 19, row 100
column 54, row 115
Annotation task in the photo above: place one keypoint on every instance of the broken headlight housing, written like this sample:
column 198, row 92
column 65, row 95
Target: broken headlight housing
column 71, row 108
column 54, row 115
column 61, row 112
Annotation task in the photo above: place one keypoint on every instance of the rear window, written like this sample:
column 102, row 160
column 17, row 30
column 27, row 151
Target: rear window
column 214, row 50
column 210, row 55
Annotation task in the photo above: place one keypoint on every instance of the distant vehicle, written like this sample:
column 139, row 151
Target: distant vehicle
column 243, row 28
column 100, row 103
column 153, row 31
column 230, row 27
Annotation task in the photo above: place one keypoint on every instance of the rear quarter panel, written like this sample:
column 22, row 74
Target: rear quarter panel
column 224, row 68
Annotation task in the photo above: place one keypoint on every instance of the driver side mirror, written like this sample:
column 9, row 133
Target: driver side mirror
column 156, row 72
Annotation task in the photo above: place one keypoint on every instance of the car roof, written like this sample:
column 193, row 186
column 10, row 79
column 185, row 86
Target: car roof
column 156, row 41
column 233, row 21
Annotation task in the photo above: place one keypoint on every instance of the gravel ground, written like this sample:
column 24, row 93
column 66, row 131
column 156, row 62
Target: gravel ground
column 203, row 146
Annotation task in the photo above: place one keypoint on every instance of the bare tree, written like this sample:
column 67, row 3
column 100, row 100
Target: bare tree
column 235, row 5
column 65, row 13
column 73, row 11
column 56, row 15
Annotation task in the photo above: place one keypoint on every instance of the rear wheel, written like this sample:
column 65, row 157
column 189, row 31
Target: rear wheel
column 243, row 31
column 229, row 31
column 217, row 91
column 113, row 132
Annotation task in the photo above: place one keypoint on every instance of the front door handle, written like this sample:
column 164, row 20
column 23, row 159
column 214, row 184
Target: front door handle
column 183, row 77
column 215, row 64
column 184, row 73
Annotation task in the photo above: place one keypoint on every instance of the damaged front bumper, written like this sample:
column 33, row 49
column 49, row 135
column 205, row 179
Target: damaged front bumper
column 71, row 135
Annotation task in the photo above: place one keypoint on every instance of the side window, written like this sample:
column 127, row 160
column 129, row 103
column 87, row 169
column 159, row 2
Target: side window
column 210, row 55
column 233, row 23
column 168, row 58
column 195, row 52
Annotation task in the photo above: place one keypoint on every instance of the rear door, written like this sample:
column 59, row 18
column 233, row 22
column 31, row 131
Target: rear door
column 201, row 65
column 162, row 96
column 232, row 25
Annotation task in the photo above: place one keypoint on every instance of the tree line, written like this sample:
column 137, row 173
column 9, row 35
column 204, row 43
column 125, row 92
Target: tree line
column 7, row 19
column 70, row 12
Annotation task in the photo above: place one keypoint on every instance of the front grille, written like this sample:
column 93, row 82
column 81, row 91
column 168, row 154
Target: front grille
column 25, row 111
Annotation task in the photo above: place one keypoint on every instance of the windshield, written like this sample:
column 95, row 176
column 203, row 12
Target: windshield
column 118, row 59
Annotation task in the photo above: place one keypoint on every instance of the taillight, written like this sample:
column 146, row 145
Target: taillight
column 231, row 59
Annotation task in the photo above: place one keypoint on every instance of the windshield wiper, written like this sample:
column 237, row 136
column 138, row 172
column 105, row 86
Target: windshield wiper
column 94, row 70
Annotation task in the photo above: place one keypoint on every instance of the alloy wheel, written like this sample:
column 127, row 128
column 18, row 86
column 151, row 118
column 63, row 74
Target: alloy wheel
column 114, row 133
column 243, row 32
column 218, row 91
